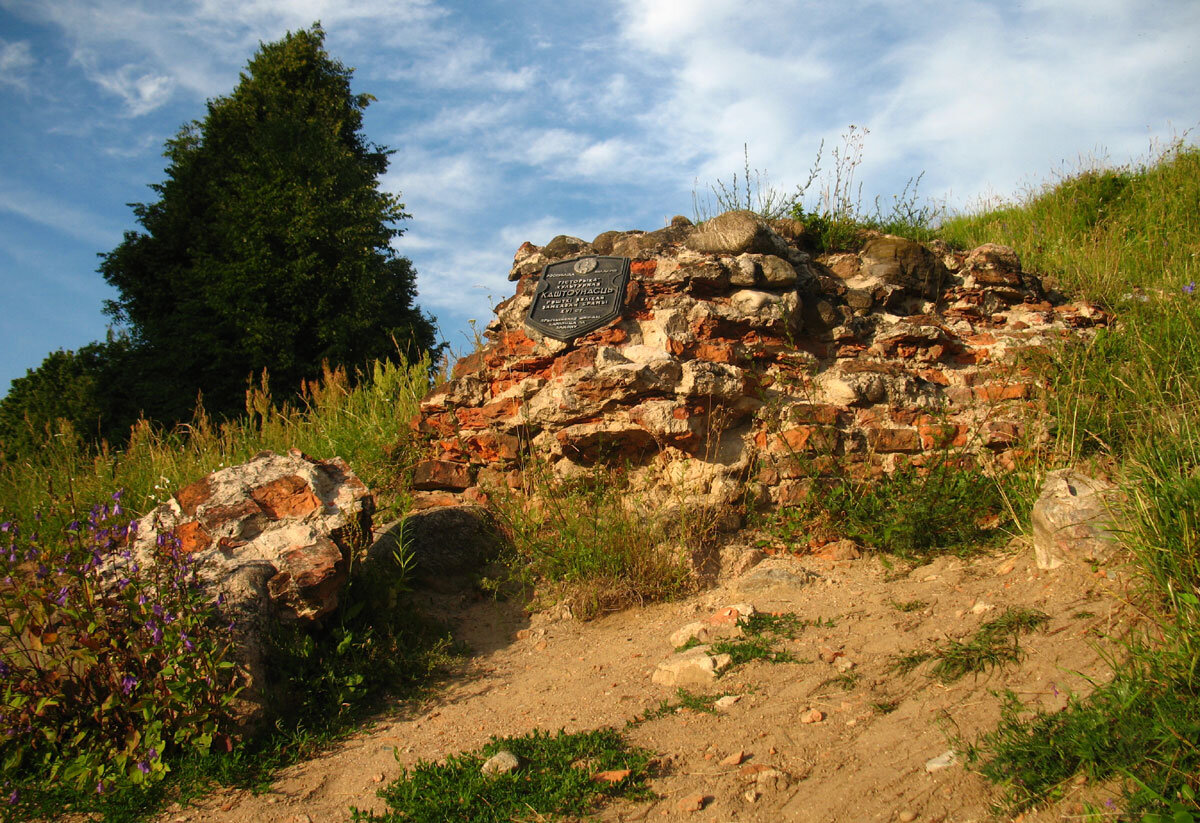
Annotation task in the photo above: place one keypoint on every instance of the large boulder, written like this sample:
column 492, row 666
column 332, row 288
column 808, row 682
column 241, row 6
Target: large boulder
column 1072, row 520
column 273, row 539
column 441, row 547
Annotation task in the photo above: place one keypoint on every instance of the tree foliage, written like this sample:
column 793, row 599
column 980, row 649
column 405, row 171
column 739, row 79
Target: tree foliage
column 269, row 244
column 84, row 392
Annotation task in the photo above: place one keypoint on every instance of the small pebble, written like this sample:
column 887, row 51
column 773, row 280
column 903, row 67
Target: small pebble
column 734, row 759
column 907, row 816
column 812, row 716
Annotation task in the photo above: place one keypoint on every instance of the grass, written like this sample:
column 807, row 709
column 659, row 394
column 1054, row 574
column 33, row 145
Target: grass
column 761, row 632
column 1127, row 399
column 685, row 700
column 559, row 776
column 949, row 505
column 586, row 543
column 994, row 644
column 361, row 423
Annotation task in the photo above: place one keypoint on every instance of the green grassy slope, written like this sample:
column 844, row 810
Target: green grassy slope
column 1129, row 400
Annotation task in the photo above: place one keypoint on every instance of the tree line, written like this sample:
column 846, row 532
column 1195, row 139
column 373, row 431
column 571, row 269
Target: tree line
column 268, row 247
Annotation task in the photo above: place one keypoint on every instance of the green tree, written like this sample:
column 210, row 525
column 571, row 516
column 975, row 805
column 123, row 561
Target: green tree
column 269, row 245
column 88, row 389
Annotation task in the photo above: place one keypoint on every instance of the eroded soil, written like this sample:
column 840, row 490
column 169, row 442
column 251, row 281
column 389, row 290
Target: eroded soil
column 865, row 760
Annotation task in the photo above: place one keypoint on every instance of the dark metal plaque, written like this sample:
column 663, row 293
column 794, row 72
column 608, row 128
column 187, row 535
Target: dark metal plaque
column 577, row 296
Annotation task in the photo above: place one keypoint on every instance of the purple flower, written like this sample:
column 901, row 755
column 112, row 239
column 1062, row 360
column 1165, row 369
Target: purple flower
column 122, row 583
column 157, row 635
column 42, row 571
column 100, row 787
column 157, row 609
column 73, row 526
column 5, row 526
column 143, row 767
column 142, row 599
column 128, row 684
column 61, row 598
column 1190, row 287
column 187, row 644
column 152, row 754
column 12, row 798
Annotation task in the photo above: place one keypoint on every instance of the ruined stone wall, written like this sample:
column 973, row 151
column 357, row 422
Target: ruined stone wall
column 741, row 363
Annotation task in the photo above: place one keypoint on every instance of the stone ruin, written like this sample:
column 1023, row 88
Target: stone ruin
column 741, row 366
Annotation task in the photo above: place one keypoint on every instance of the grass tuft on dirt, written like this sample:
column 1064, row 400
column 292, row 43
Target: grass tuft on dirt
column 994, row 644
column 559, row 775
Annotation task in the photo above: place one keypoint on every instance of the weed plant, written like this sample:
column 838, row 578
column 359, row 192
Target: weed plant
column 684, row 700
column 836, row 219
column 557, row 777
column 1128, row 398
column 362, row 423
column 946, row 505
column 110, row 671
column 995, row 643
column 582, row 543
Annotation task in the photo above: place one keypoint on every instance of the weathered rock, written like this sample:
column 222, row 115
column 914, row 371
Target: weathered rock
column 736, row 232
column 565, row 246
column 724, row 623
column 502, row 762
column 894, row 261
column 1072, row 520
column 694, row 667
column 272, row 538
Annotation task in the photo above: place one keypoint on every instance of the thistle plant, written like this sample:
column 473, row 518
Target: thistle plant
column 108, row 669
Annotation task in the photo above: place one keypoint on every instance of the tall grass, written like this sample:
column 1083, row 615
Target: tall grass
column 1129, row 398
column 361, row 423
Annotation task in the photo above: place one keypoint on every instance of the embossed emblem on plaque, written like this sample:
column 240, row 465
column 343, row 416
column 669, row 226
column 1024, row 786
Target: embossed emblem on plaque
column 576, row 296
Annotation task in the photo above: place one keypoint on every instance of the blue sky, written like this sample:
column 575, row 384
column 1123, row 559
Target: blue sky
column 518, row 121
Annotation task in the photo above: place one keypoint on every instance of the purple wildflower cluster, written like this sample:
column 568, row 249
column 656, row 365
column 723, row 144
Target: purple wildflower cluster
column 117, row 661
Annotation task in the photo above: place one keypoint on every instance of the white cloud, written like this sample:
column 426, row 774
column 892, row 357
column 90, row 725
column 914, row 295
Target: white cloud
column 63, row 218
column 16, row 61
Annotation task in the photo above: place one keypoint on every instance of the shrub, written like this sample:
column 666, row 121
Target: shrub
column 108, row 670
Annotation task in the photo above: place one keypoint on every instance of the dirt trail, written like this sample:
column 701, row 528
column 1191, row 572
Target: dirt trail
column 859, row 763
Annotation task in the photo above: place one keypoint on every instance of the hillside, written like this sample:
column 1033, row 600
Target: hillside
column 862, row 478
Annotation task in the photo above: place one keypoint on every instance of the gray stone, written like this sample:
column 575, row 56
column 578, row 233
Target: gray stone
column 736, row 232
column 895, row 261
column 778, row 273
column 694, row 667
column 565, row 246
column 502, row 762
column 1072, row 519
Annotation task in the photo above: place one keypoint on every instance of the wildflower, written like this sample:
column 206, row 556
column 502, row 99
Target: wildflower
column 5, row 526
column 1190, row 287
column 73, row 526
column 143, row 767
column 100, row 787
column 12, row 798
column 61, row 598
column 128, row 684
column 187, row 644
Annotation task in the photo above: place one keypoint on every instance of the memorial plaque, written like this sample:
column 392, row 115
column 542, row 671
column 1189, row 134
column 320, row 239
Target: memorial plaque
column 577, row 296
